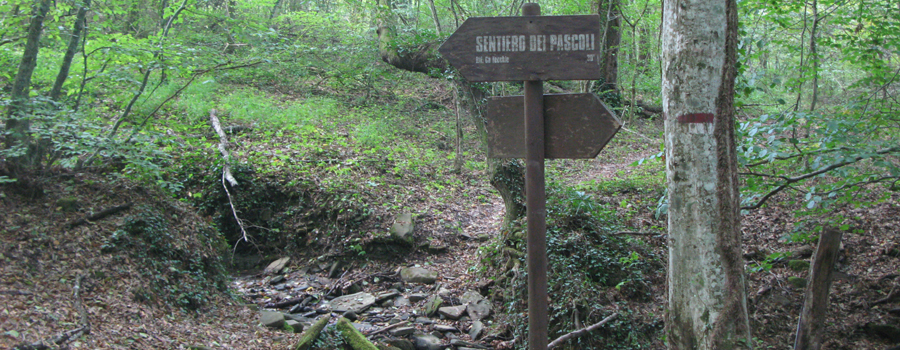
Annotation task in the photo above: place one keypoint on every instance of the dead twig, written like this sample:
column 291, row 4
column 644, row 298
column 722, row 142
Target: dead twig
column 580, row 332
column 66, row 336
column 385, row 329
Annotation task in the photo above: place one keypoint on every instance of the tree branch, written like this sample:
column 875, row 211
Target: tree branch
column 580, row 332
column 790, row 180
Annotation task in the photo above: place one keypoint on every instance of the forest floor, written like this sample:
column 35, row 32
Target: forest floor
column 57, row 278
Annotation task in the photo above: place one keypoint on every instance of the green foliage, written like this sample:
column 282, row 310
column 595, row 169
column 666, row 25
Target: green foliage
column 185, row 272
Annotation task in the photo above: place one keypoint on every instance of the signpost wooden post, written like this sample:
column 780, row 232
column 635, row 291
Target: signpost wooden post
column 533, row 48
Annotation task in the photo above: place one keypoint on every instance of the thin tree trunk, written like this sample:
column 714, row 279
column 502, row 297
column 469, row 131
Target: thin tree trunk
column 707, row 306
column 612, row 37
column 458, row 161
column 815, row 299
column 70, row 51
column 814, row 55
column 15, row 121
column 434, row 14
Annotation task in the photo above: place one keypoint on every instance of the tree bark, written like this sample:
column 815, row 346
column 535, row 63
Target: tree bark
column 437, row 23
column 815, row 300
column 16, row 123
column 70, row 51
column 707, row 307
column 609, row 9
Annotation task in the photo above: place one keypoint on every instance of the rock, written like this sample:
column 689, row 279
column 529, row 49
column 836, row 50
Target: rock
column 470, row 296
column 353, row 337
column 276, row 266
column 417, row 297
column 462, row 343
column 475, row 331
column 484, row 286
column 309, row 337
column 387, row 303
column 445, row 328
column 402, row 331
column 797, row 282
column 276, row 280
column 424, row 320
column 388, row 294
column 436, row 248
column 483, row 237
column 335, row 270
column 350, row 315
column 401, row 301
column 296, row 326
column 479, row 309
column 427, row 342
column 452, row 312
column 432, row 305
column 444, row 292
column 271, row 319
column 402, row 229
column 402, row 344
column 798, row 265
column 354, row 302
column 418, row 275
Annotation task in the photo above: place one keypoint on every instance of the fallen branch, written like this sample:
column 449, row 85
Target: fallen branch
column 637, row 233
column 385, row 329
column 102, row 214
column 580, row 332
column 66, row 336
column 223, row 141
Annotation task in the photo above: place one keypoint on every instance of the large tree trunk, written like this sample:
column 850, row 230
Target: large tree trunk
column 70, row 51
column 16, row 122
column 707, row 306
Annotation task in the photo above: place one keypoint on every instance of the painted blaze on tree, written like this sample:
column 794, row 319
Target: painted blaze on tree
column 706, row 294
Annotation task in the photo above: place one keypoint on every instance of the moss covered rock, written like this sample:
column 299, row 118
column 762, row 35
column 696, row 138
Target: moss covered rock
column 353, row 337
column 308, row 337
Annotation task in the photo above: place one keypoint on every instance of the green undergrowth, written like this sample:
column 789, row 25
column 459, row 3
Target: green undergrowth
column 180, row 256
column 313, row 171
column 590, row 269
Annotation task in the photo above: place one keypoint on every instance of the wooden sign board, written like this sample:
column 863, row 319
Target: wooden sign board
column 576, row 126
column 526, row 48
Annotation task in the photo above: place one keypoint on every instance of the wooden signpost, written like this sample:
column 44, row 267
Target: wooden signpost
column 533, row 48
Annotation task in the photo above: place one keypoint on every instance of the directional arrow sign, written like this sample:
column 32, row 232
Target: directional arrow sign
column 526, row 48
column 575, row 126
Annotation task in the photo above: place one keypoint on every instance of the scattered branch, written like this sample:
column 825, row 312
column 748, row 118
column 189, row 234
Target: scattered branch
column 102, row 214
column 385, row 329
column 580, row 332
column 66, row 336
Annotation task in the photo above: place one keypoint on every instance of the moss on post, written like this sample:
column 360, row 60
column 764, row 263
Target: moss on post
column 353, row 337
column 308, row 337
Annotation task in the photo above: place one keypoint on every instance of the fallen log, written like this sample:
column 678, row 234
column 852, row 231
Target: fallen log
column 102, row 214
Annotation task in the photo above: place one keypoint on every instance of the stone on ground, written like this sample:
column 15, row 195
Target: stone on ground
column 475, row 331
column 402, row 229
column 276, row 266
column 479, row 309
column 431, row 306
column 427, row 342
column 452, row 312
column 418, row 275
column 354, row 302
column 271, row 319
